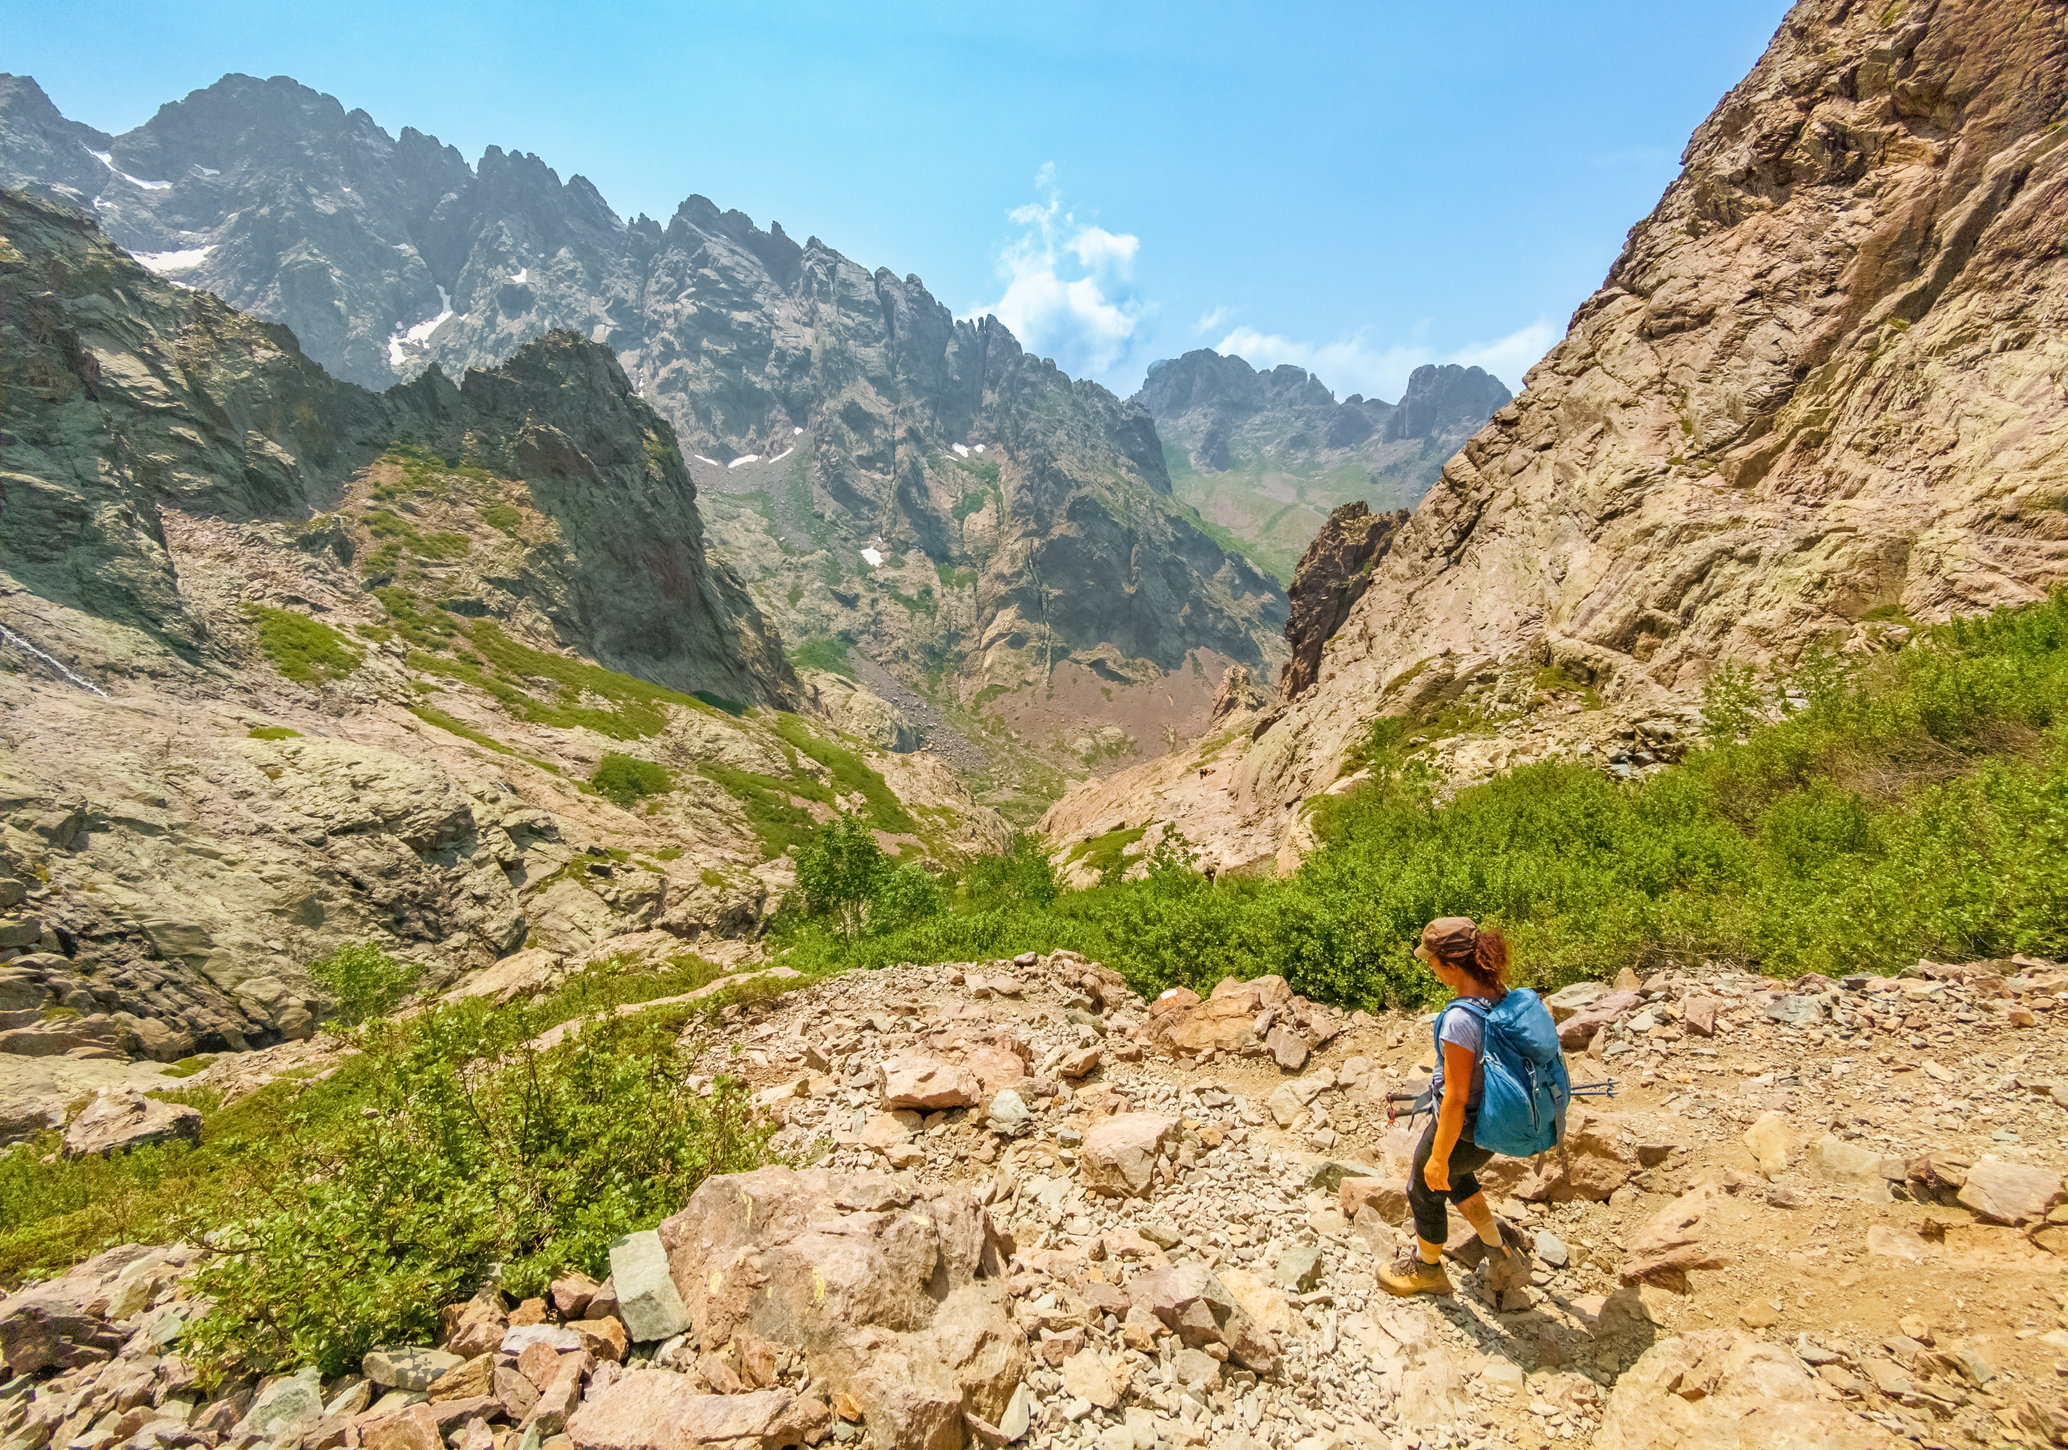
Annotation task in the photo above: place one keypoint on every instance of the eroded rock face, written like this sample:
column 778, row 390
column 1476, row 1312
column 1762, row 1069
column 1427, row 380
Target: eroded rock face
column 1333, row 575
column 1817, row 384
column 896, row 1297
column 123, row 1118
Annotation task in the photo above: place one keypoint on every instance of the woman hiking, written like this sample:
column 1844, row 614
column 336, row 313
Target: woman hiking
column 1474, row 965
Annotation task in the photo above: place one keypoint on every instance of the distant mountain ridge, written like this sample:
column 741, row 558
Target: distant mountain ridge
column 1265, row 456
column 1029, row 558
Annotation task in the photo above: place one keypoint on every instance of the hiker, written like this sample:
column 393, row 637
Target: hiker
column 1473, row 964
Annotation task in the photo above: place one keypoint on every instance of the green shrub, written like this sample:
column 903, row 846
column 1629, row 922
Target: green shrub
column 273, row 732
column 460, row 728
column 364, row 981
column 839, row 872
column 305, row 650
column 823, row 654
column 627, row 778
column 474, row 1153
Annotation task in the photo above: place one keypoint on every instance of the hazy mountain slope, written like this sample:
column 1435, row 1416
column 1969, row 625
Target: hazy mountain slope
column 1263, row 457
column 286, row 663
column 1819, row 394
column 1050, row 579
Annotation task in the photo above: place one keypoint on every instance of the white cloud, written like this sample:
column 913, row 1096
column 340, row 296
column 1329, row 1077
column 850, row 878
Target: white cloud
column 1352, row 365
column 1087, row 322
column 1211, row 318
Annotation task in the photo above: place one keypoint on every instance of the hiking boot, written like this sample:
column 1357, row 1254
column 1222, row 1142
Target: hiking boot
column 1409, row 1276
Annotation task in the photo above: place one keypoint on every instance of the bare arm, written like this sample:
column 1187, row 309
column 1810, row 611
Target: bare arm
column 1458, row 1063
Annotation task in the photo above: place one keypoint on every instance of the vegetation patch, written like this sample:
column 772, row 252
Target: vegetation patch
column 830, row 655
column 850, row 775
column 513, row 672
column 273, row 732
column 1105, row 854
column 1851, row 817
column 778, row 821
column 305, row 650
column 626, row 778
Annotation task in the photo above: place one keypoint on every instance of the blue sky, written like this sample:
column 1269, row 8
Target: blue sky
column 1356, row 188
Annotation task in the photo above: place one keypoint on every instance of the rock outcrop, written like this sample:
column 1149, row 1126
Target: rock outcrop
column 1333, row 575
column 1267, row 454
column 1818, row 393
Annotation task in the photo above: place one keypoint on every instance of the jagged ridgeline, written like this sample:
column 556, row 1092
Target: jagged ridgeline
column 292, row 665
column 1264, row 456
column 896, row 487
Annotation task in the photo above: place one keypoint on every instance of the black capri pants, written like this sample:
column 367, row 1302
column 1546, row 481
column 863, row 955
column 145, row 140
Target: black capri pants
column 1466, row 1158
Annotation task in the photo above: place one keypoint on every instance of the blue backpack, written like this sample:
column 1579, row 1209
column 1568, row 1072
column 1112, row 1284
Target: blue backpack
column 1522, row 1112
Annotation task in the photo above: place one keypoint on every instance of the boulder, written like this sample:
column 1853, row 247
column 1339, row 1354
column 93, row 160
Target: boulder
column 1573, row 997
column 2010, row 1192
column 1119, row 1153
column 1381, row 1195
column 915, row 1080
column 1008, row 1112
column 1836, row 1161
column 1672, row 1243
column 1078, row 1062
column 288, row 1400
column 414, row 1427
column 521, row 974
column 1595, row 1163
column 38, row 1333
column 1770, row 1143
column 648, row 1301
column 1719, row 1389
column 668, row 1412
column 123, row 1118
column 1698, row 1013
column 1090, row 1375
column 1577, row 1031
column 895, row 1295
column 475, row 1327
column 1193, row 1303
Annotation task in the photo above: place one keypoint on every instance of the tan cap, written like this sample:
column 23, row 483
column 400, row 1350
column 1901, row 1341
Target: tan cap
column 1450, row 937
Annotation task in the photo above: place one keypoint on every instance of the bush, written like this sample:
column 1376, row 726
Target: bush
column 474, row 1154
column 839, row 872
column 364, row 981
column 305, row 650
column 627, row 778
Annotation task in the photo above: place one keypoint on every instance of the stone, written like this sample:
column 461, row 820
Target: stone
column 1595, row 1163
column 1719, row 1389
column 1196, row 1370
column 915, row 1080
column 1551, row 1250
column 894, row 1294
column 1797, row 1009
column 414, row 1427
column 1193, row 1303
column 1770, row 1143
column 1287, row 1048
column 539, row 1363
column 466, row 1381
column 407, row 1367
column 559, row 1395
column 1078, row 1063
column 1570, row 998
column 1698, row 1013
column 1576, row 1032
column 1017, row 1416
column 2014, row 1193
column 1759, row 1314
column 39, row 1332
column 1836, row 1161
column 648, row 1302
column 571, row 1294
column 605, row 1339
column 515, row 1391
column 1378, row 1195
column 1008, row 1112
column 1089, row 1375
column 120, row 1119
column 1298, row 1269
column 1120, row 1153
column 1672, row 1243
column 556, row 1337
column 289, row 1400
column 477, row 1326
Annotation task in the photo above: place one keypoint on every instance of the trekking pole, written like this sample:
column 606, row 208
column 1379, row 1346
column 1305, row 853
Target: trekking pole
column 1606, row 1088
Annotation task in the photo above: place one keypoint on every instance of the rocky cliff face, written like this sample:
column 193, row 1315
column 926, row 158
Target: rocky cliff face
column 1019, row 527
column 284, row 664
column 1265, row 456
column 1819, row 391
